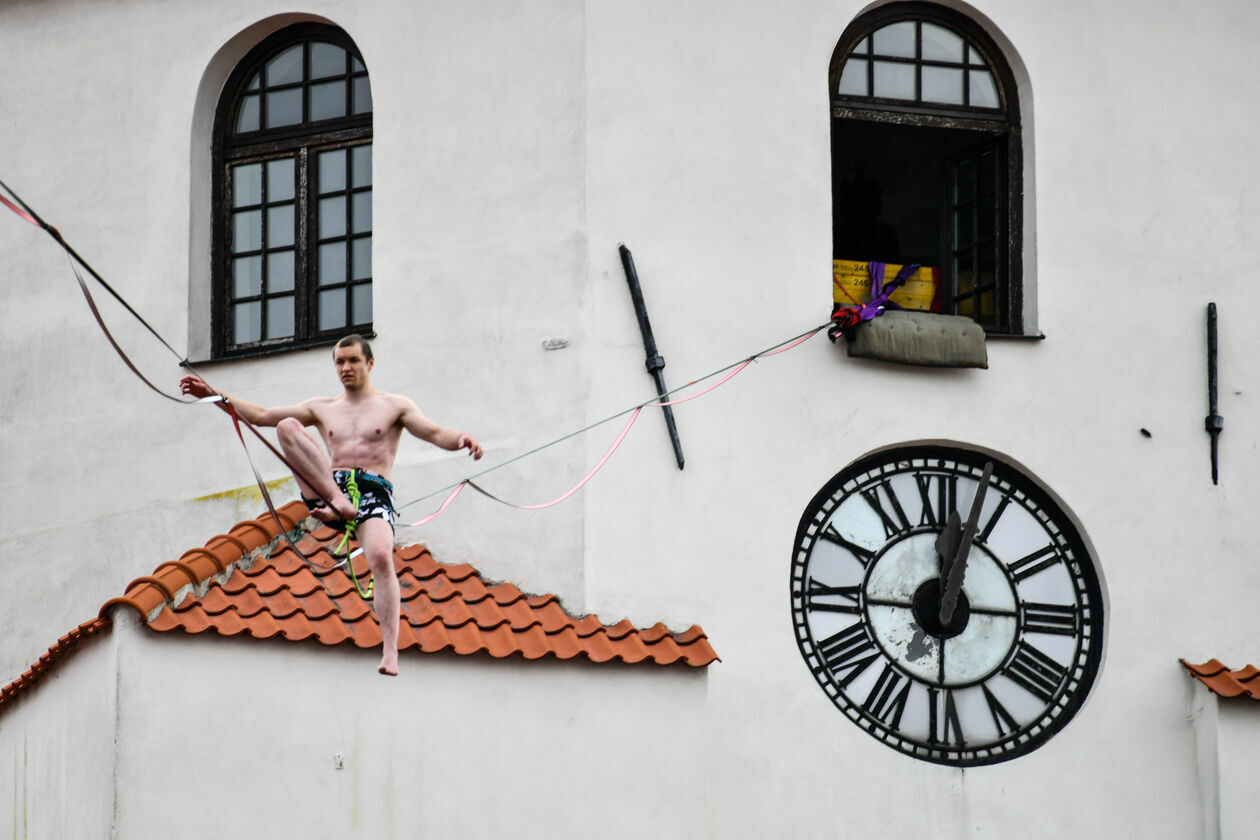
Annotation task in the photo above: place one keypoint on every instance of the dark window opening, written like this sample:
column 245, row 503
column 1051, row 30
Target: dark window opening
column 926, row 158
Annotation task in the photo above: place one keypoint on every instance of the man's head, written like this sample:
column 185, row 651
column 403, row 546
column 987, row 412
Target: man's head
column 355, row 338
column 353, row 358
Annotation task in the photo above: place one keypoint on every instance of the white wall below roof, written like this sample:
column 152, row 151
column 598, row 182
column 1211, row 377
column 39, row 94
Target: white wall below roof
column 57, row 745
column 1239, row 747
column 240, row 737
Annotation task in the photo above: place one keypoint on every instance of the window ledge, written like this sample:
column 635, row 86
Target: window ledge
column 275, row 350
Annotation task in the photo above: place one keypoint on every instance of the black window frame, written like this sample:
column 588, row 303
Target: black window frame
column 1001, row 123
column 303, row 142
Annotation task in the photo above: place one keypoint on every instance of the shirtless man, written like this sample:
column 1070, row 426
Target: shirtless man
column 361, row 430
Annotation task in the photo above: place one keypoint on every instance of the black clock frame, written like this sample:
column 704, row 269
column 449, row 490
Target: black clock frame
column 1068, row 695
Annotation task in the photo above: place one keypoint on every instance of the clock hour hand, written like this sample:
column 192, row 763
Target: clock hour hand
column 947, row 545
column 958, row 568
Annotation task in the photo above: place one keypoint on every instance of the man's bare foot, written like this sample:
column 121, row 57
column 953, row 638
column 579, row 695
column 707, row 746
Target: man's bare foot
column 342, row 510
column 389, row 666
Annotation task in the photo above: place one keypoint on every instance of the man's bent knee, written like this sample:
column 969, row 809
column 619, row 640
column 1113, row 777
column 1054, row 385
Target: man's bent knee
column 289, row 428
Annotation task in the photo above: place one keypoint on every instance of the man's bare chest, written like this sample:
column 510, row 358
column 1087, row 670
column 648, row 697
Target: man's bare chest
column 375, row 422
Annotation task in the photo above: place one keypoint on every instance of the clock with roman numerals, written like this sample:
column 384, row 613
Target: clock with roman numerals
column 947, row 604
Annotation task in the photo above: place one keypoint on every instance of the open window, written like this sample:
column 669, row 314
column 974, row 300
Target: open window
column 292, row 195
column 926, row 158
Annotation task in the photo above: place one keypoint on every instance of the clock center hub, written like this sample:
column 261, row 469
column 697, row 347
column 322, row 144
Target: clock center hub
column 927, row 611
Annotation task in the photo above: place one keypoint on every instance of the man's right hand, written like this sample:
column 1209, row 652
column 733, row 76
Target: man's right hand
column 196, row 386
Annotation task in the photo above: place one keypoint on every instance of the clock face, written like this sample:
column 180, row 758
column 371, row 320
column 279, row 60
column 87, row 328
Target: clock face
column 983, row 676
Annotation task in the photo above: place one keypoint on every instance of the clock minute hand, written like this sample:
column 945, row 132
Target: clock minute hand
column 947, row 545
column 958, row 569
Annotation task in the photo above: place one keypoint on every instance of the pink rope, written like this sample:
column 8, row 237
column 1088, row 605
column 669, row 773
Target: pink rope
column 742, row 365
column 426, row 520
column 721, row 381
column 616, row 443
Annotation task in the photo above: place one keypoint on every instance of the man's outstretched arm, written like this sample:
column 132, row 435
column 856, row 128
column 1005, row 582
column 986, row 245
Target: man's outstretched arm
column 251, row 412
column 416, row 423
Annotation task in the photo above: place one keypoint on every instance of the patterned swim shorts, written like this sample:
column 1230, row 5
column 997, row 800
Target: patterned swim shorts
column 376, row 497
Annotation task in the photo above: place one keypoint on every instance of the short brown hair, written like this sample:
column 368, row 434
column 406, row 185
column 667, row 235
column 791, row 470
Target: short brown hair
column 355, row 338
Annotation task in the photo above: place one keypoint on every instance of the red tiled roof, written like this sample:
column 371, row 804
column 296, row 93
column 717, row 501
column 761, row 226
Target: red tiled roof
column 250, row 582
column 1217, row 677
column 64, row 646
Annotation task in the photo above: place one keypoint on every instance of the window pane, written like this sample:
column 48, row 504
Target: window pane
column 280, row 181
column 974, row 56
column 280, row 317
column 964, row 230
column 328, row 100
column 896, row 39
column 853, row 78
column 246, row 184
column 988, row 308
column 332, row 217
column 332, row 263
column 940, row 44
column 284, row 107
column 962, row 272
column 361, row 166
column 361, row 304
column 356, row 66
column 247, row 322
column 988, row 173
column 987, row 268
column 943, row 84
column 254, row 82
column 361, row 264
column 361, row 213
column 247, row 116
column 246, row 276
column 286, row 68
column 983, row 91
column 964, row 187
column 361, row 91
column 327, row 60
column 988, row 220
column 246, row 230
column 894, row 81
column 280, row 271
column 280, row 226
column 332, row 171
column 332, row 309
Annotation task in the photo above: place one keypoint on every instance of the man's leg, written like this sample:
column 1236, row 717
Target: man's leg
column 315, row 479
column 377, row 540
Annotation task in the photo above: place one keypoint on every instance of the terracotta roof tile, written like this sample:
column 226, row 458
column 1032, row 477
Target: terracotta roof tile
column 1245, row 682
column 59, row 651
column 250, row 582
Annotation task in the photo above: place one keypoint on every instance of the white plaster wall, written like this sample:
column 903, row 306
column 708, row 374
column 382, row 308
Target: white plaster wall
column 1239, row 745
column 709, row 149
column 516, row 145
column 239, row 737
column 57, row 749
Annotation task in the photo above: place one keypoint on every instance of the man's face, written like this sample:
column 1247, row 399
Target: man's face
column 352, row 366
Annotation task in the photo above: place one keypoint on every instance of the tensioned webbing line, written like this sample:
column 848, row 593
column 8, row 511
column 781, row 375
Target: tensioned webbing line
column 25, row 211
column 871, row 309
column 634, row 411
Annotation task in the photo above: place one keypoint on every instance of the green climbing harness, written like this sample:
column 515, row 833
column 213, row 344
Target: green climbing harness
column 352, row 491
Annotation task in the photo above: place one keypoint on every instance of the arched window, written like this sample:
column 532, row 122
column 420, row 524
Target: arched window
column 292, row 193
column 926, row 157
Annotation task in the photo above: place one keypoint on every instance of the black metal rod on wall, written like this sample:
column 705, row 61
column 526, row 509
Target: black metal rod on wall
column 1214, row 422
column 655, row 362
